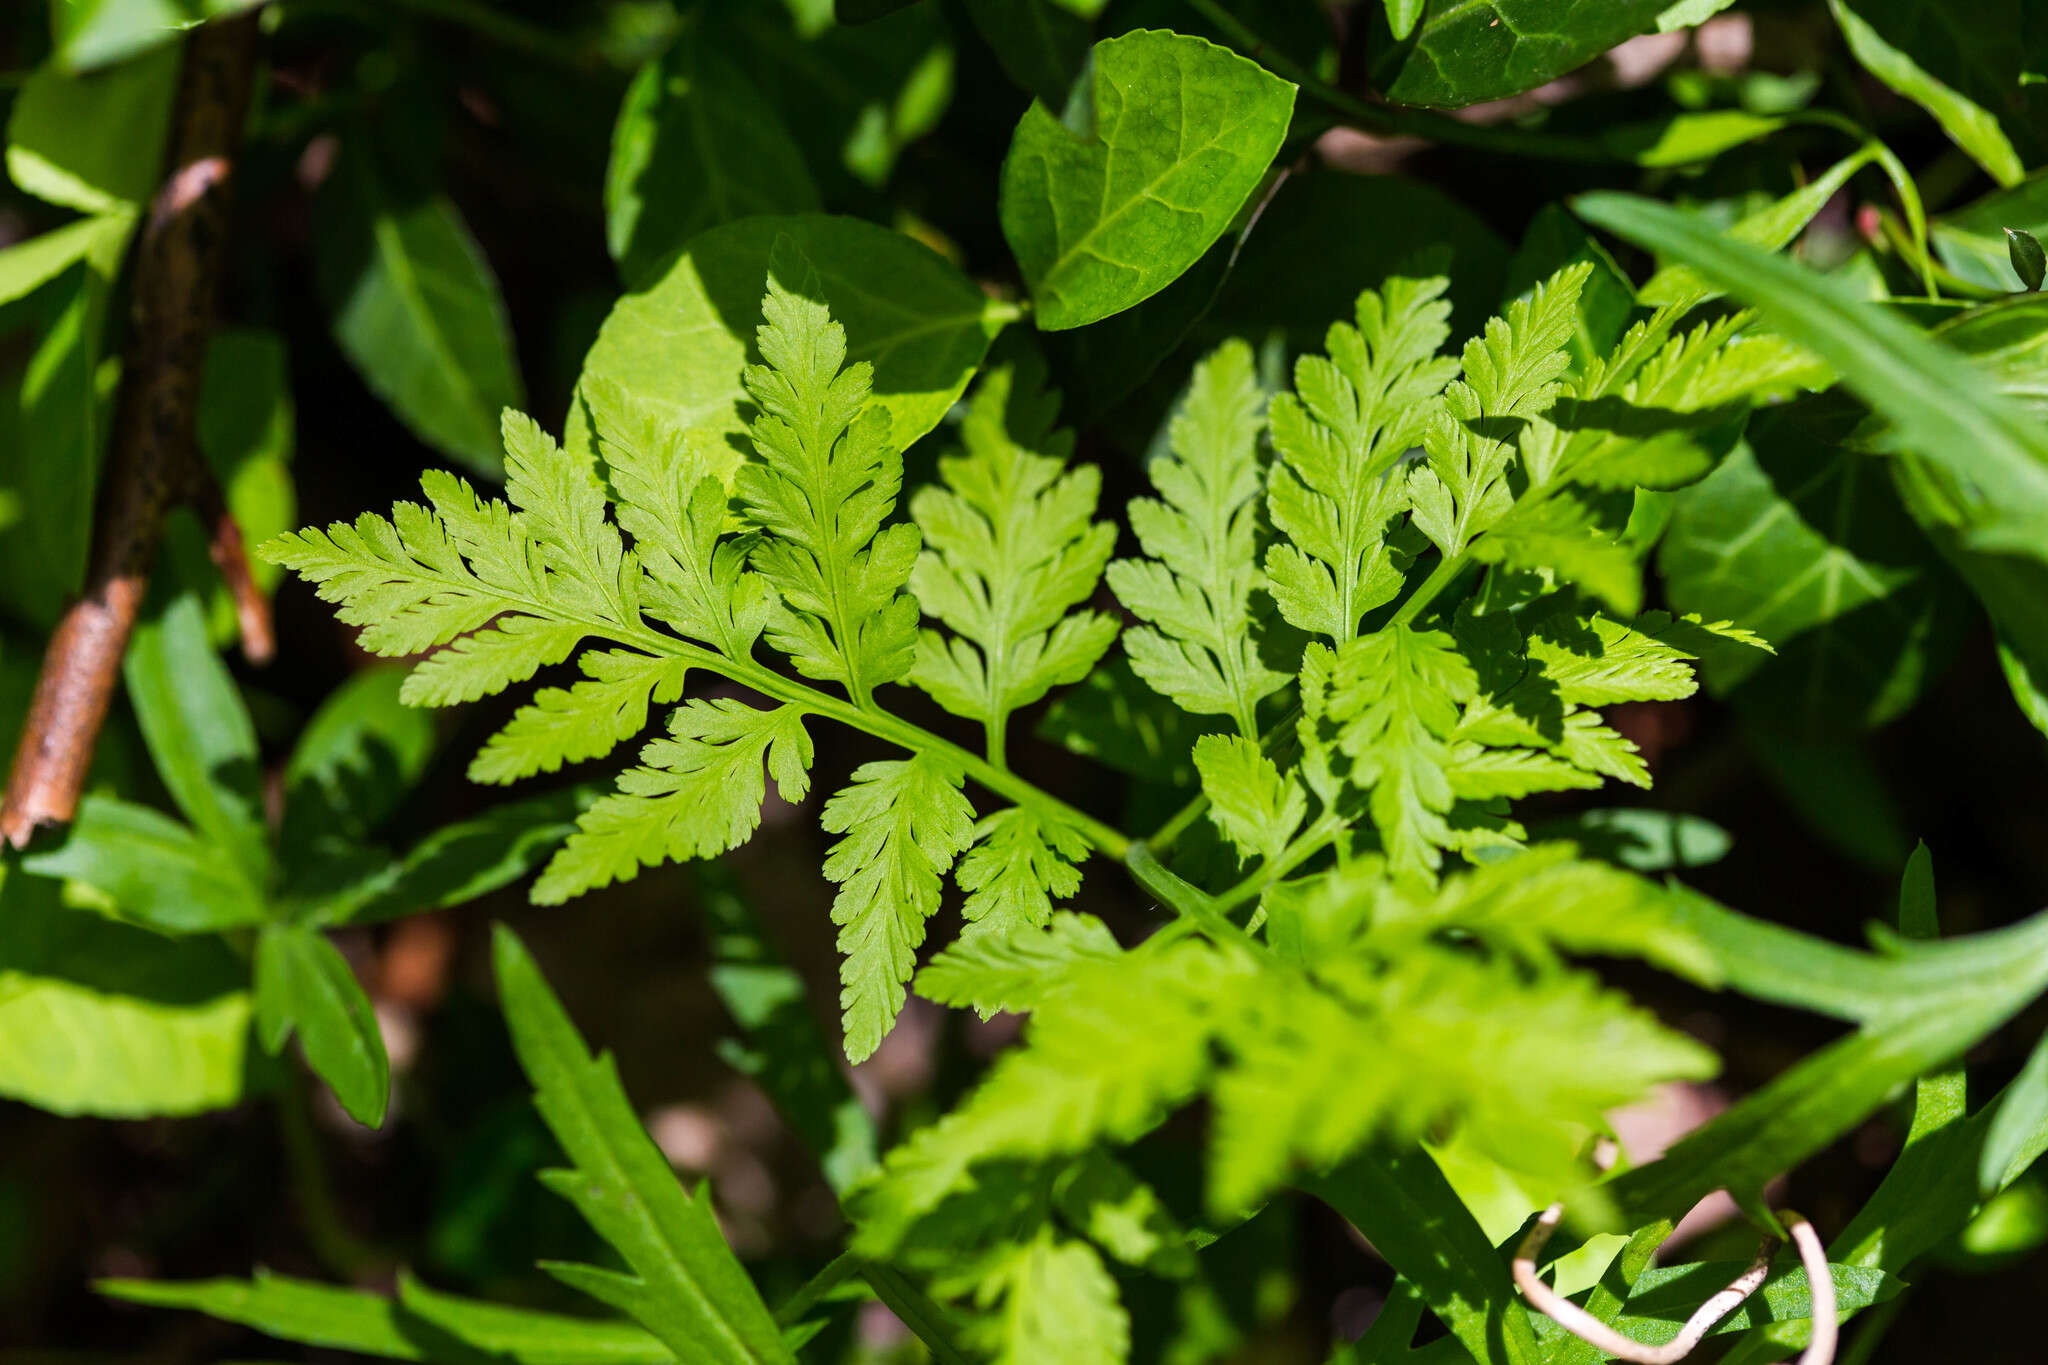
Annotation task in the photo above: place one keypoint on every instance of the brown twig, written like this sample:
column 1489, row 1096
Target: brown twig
column 152, row 458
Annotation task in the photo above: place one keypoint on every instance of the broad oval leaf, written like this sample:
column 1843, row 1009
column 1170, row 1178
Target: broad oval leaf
column 696, row 145
column 1806, row 544
column 678, row 343
column 415, row 307
column 1472, row 50
column 1110, row 206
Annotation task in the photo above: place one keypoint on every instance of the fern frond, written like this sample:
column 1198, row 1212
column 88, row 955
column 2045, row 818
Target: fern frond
column 1193, row 589
column 904, row 822
column 826, row 479
column 1021, row 862
column 1010, row 551
column 1351, row 417
column 695, row 795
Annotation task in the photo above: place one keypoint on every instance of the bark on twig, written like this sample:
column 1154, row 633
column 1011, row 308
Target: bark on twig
column 153, row 462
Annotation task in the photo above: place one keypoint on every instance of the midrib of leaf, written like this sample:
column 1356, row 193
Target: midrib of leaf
column 1145, row 193
column 870, row 719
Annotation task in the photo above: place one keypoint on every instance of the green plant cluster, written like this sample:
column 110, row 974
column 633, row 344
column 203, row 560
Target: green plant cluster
column 1407, row 527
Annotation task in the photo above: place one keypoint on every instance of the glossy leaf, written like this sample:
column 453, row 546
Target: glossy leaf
column 1109, row 207
column 358, row 757
column 463, row 861
column 1468, row 51
column 1041, row 44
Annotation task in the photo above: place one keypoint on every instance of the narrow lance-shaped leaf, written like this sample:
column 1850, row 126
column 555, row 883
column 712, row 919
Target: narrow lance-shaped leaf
column 1947, row 411
column 682, row 1281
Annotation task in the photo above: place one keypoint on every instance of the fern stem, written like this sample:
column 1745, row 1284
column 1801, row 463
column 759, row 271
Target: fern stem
column 927, row 1321
column 1183, row 898
column 1313, row 840
column 808, row 1295
column 883, row 725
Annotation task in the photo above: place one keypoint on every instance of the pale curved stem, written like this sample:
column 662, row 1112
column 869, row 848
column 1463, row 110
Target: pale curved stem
column 1598, row 1334
column 1820, row 1283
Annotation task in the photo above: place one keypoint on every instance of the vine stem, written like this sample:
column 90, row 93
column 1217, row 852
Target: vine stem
column 153, row 461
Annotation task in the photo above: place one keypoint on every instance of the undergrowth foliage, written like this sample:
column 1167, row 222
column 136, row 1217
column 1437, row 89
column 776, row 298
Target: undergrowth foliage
column 1405, row 586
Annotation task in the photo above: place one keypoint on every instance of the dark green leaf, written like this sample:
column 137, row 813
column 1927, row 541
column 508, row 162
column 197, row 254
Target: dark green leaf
column 1667, row 1295
column 1472, row 50
column 423, row 1324
column 124, row 1023
column 1312, row 218
column 1964, row 67
column 414, row 305
column 696, row 145
column 780, row 1044
column 305, row 985
column 1919, row 1006
column 685, row 1285
column 1042, row 46
column 1411, row 1215
column 1109, row 207
column 470, row 858
column 1805, row 543
column 157, row 872
column 1946, row 411
column 678, row 343
column 865, row 11
column 245, row 428
column 358, row 757
column 2028, row 261
column 2017, row 1124
column 198, row 731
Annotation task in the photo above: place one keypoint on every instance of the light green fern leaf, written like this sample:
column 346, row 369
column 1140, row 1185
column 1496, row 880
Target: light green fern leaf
column 1017, row 970
column 1511, row 374
column 826, row 479
column 583, row 721
column 694, row 795
column 1353, row 414
column 1395, row 698
column 1257, row 807
column 1010, row 550
column 1193, row 589
column 904, row 822
column 1021, row 862
column 1048, row 1298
